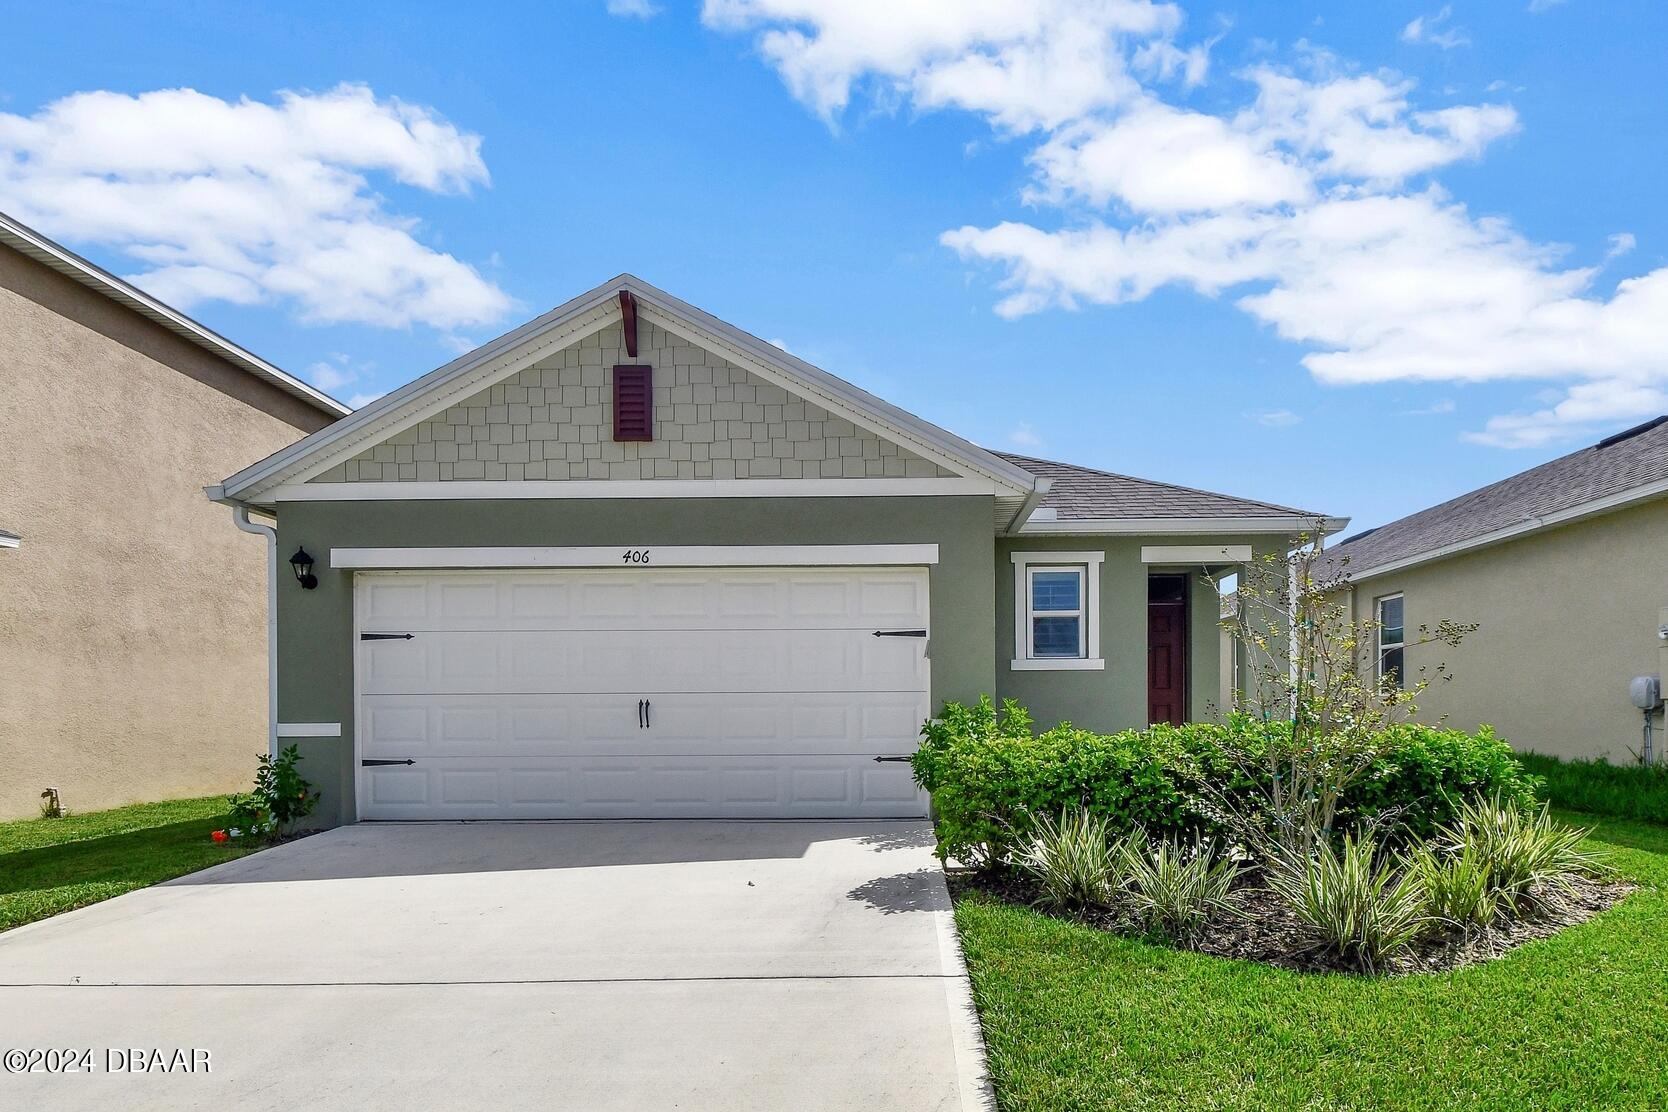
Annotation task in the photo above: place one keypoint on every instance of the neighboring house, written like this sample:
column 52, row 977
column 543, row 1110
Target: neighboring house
column 628, row 560
column 132, row 616
column 1565, row 570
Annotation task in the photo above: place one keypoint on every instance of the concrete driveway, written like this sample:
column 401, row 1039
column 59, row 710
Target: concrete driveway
column 609, row 965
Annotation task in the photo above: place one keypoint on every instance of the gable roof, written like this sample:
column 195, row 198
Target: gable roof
column 1619, row 470
column 566, row 324
column 1084, row 495
column 26, row 241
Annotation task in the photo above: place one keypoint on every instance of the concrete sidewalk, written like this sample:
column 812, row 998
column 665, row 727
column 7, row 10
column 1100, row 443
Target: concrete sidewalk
column 628, row 965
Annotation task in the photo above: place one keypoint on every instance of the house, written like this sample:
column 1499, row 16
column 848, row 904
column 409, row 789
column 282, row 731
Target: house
column 1563, row 567
column 132, row 620
column 628, row 560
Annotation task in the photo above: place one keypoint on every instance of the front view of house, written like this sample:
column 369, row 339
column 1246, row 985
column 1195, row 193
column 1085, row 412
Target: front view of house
column 630, row 561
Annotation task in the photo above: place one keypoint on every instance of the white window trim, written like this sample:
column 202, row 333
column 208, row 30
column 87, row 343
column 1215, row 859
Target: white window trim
column 1023, row 563
column 1378, row 623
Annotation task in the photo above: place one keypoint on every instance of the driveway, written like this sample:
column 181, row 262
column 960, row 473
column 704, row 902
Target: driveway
column 609, row 965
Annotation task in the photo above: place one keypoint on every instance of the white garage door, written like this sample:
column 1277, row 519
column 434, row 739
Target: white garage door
column 640, row 693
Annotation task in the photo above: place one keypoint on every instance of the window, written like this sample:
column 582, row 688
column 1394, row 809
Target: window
column 1057, row 610
column 1392, row 639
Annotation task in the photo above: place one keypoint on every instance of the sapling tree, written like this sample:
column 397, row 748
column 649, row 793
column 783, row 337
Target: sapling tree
column 1307, row 660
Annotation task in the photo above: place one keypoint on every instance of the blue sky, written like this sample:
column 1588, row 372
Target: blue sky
column 1357, row 258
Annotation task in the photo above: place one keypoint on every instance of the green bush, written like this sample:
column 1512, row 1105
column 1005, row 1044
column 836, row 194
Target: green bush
column 1529, row 859
column 281, row 798
column 1625, row 791
column 1459, row 887
column 988, row 773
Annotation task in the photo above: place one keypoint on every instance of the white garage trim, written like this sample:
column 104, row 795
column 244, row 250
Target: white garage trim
column 655, row 556
column 309, row 729
column 1195, row 553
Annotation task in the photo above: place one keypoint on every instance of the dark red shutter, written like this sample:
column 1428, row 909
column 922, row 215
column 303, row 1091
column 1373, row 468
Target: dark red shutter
column 633, row 402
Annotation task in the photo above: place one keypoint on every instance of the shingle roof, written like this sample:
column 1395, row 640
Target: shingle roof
column 1083, row 493
column 1635, row 458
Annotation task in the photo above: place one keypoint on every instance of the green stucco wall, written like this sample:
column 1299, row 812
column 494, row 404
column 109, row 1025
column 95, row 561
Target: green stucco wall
column 1115, row 698
column 315, row 628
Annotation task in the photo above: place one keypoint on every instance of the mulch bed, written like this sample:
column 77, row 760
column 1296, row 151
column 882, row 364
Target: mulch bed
column 1267, row 931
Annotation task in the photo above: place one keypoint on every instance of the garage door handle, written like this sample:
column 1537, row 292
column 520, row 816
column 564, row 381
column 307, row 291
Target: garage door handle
column 407, row 761
column 900, row 633
column 885, row 760
column 640, row 714
column 385, row 636
column 647, row 721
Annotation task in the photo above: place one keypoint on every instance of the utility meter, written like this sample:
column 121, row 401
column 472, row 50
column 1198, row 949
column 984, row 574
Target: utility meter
column 1646, row 692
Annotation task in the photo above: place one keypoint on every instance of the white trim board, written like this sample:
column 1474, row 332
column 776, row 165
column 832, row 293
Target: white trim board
column 309, row 729
column 1179, row 526
column 649, row 555
column 624, row 488
column 1195, row 554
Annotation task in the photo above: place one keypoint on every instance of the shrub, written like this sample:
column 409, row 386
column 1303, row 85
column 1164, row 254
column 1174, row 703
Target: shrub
column 1530, row 859
column 1458, row 886
column 1071, row 859
column 1353, row 900
column 988, row 774
column 1628, row 791
column 281, row 798
column 1172, row 887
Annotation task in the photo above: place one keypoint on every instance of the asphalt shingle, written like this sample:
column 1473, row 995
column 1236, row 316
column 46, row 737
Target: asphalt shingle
column 1083, row 493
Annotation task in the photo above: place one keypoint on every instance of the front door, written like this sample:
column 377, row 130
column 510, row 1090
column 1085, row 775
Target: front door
column 1167, row 648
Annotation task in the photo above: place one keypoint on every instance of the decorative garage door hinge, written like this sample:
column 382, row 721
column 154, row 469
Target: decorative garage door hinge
column 900, row 633
column 884, row 760
column 385, row 636
column 407, row 761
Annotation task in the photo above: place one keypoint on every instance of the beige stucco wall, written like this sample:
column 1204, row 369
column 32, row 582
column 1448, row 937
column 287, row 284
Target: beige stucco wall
column 133, row 616
column 554, row 420
column 1566, row 617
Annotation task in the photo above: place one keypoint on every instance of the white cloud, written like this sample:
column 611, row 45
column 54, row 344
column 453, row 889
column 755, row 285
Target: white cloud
column 1025, row 435
column 1275, row 418
column 328, row 377
column 1305, row 206
column 1620, row 244
column 1430, row 29
column 251, row 202
column 632, row 9
column 1025, row 65
column 360, row 401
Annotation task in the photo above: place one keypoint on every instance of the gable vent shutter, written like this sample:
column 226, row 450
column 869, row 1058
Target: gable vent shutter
column 633, row 402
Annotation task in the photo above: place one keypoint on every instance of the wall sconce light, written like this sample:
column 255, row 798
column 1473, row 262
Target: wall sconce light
column 303, row 565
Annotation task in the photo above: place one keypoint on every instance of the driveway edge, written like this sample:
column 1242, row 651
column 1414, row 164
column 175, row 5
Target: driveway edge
column 966, row 1036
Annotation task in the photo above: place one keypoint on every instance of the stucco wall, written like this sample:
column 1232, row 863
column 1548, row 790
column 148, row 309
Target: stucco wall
column 1566, row 617
column 1114, row 698
column 316, row 627
column 133, row 617
column 554, row 420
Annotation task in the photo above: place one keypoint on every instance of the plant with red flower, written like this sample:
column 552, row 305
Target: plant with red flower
column 218, row 835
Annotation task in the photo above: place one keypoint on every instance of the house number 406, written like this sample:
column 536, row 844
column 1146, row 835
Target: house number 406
column 635, row 556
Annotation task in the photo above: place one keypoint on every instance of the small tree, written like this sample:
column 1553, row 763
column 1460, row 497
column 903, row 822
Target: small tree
column 1309, row 661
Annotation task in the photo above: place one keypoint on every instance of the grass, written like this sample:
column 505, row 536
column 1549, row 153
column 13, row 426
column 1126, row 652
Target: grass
column 1629, row 791
column 49, row 866
column 1078, row 1019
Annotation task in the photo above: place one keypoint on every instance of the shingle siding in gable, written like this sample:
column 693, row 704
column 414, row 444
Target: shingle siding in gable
column 712, row 420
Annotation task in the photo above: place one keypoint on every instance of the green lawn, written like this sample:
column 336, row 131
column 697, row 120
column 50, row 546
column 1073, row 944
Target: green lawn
column 49, row 866
column 1075, row 1018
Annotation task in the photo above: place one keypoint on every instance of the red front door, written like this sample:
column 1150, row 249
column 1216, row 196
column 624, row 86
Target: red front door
column 1167, row 648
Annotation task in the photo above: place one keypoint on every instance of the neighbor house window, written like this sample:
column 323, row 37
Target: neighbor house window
column 1057, row 610
column 1392, row 639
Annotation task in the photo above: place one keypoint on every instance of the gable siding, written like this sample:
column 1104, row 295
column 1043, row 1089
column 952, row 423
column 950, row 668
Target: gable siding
column 554, row 421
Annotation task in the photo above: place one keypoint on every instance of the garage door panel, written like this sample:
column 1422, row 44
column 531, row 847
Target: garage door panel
column 669, row 787
column 625, row 661
column 396, row 727
column 686, row 598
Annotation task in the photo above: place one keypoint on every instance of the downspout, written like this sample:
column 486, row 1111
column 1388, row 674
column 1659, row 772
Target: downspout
column 240, row 517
